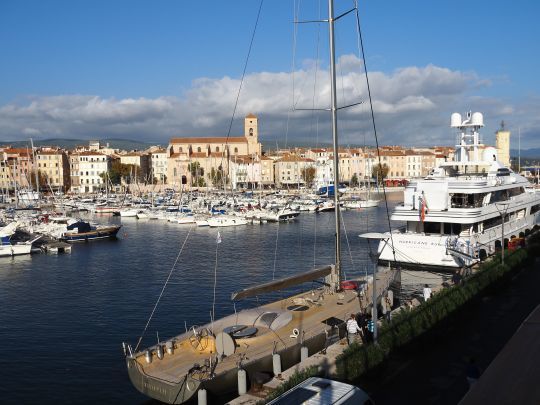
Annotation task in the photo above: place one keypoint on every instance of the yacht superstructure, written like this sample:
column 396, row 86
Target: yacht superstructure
column 453, row 217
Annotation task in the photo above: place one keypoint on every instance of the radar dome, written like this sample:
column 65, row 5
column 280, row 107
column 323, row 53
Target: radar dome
column 477, row 119
column 490, row 154
column 455, row 120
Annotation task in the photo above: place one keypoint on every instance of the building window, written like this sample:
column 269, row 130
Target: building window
column 251, row 132
column 235, row 150
column 199, row 149
column 217, row 148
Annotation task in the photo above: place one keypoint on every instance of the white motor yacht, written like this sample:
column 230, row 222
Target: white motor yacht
column 454, row 216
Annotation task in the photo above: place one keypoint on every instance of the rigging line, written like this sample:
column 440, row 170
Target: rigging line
column 243, row 77
column 348, row 244
column 164, row 286
column 218, row 241
column 296, row 11
column 359, row 31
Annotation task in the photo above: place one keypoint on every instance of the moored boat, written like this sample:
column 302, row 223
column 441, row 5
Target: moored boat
column 82, row 231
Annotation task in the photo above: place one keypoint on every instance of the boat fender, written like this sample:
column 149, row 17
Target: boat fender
column 304, row 354
column 201, row 397
column 295, row 333
column 170, row 347
column 242, row 382
column 148, row 356
column 159, row 352
column 276, row 364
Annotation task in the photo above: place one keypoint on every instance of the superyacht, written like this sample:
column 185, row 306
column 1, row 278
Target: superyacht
column 454, row 216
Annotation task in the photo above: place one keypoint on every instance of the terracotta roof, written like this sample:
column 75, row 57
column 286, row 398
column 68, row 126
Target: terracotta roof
column 133, row 154
column 90, row 153
column 222, row 140
column 216, row 154
column 175, row 155
column 251, row 116
column 49, row 152
column 318, row 150
column 198, row 155
column 16, row 150
column 392, row 153
column 294, row 158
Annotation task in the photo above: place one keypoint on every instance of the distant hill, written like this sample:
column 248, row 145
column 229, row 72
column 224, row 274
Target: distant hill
column 533, row 153
column 123, row 144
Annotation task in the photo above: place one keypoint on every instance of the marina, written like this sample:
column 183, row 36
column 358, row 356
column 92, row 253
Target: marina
column 73, row 311
column 270, row 234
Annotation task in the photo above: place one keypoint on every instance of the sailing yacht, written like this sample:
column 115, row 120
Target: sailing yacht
column 266, row 338
column 454, row 216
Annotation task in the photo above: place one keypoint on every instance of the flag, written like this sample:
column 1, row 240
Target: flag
column 423, row 207
column 218, row 238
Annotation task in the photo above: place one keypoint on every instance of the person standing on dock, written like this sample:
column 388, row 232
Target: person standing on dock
column 352, row 329
column 427, row 292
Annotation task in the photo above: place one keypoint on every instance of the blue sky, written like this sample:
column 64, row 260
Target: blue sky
column 145, row 69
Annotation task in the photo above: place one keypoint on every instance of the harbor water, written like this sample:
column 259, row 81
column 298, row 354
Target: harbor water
column 64, row 317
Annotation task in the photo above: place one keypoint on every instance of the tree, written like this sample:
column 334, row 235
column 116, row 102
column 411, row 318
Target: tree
column 380, row 172
column 116, row 173
column 308, row 175
column 217, row 176
column 354, row 180
column 196, row 172
column 42, row 178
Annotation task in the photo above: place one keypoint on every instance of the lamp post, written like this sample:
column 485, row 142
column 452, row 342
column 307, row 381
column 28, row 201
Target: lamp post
column 502, row 207
column 374, row 236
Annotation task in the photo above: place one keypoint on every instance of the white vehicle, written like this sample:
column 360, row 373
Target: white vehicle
column 454, row 215
column 321, row 391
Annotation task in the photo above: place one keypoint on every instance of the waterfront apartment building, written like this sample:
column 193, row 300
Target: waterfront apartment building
column 92, row 167
column 158, row 165
column 267, row 172
column 289, row 169
column 16, row 168
column 53, row 166
column 74, row 172
column 244, row 172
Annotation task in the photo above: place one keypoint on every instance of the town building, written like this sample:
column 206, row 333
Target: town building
column 53, row 166
column 207, row 155
column 92, row 168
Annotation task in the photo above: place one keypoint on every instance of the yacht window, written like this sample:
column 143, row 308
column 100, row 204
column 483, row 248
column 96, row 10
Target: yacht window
column 499, row 195
column 461, row 200
column 452, row 229
column 516, row 191
column 432, row 227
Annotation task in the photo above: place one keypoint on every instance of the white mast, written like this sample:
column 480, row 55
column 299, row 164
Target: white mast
column 333, row 110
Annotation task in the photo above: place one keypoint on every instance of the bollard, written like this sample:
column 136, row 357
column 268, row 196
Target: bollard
column 276, row 363
column 303, row 353
column 201, row 397
column 170, row 347
column 242, row 382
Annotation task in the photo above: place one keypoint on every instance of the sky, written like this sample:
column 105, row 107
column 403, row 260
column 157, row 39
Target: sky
column 152, row 70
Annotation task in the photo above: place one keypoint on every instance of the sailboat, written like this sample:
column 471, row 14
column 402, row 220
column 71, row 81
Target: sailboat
column 269, row 337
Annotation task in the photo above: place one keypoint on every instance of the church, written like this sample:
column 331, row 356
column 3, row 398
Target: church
column 211, row 153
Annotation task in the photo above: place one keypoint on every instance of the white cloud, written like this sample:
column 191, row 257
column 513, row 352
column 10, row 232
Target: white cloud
column 412, row 106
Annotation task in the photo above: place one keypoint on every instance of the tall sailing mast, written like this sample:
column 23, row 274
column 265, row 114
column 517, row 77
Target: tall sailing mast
column 333, row 110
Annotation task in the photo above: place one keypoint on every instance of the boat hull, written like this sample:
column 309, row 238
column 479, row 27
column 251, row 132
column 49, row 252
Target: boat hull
column 226, row 382
column 109, row 232
column 15, row 250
